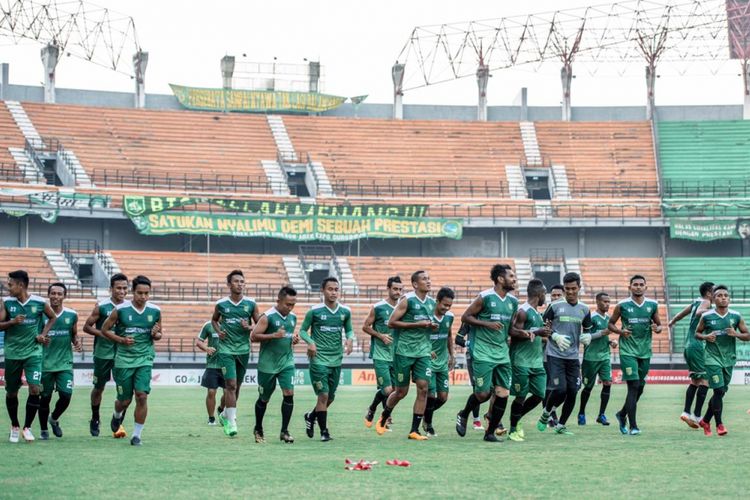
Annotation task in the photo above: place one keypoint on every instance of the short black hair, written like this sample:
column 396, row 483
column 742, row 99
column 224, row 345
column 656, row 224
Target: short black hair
column 600, row 295
column 61, row 285
column 415, row 275
column 706, row 287
column 572, row 277
column 236, row 272
column 392, row 280
column 637, row 277
column 534, row 288
column 115, row 278
column 499, row 270
column 445, row 292
column 21, row 276
column 141, row 280
column 721, row 287
column 286, row 291
column 330, row 279
column 557, row 287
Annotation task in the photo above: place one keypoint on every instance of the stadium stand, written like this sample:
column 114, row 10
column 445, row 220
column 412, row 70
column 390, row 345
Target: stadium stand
column 613, row 275
column 10, row 137
column 32, row 260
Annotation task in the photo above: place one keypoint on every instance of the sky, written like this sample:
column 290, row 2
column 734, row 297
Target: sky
column 357, row 42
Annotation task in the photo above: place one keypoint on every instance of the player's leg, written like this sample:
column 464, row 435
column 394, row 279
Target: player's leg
column 102, row 375
column 13, row 372
column 333, row 376
column 501, row 381
column 431, row 402
column 240, row 363
column 64, row 388
column 605, row 375
column 557, row 385
column 440, row 395
column 33, row 369
column 482, row 384
column 477, row 422
column 421, row 373
column 383, row 377
column 211, row 406
column 266, row 387
column 402, row 369
column 695, row 372
column 698, row 369
column 228, row 417
column 589, row 370
column 319, row 381
column 48, row 387
column 519, row 390
column 700, row 398
column 286, row 382
column 626, row 415
column 718, row 400
column 125, row 382
column 142, row 388
column 210, row 381
column 572, row 384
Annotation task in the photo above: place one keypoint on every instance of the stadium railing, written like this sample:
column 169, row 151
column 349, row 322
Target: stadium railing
column 718, row 188
column 413, row 188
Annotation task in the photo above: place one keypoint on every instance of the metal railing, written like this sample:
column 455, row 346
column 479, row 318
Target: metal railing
column 712, row 189
column 292, row 157
column 614, row 189
column 686, row 294
column 546, row 255
column 419, row 188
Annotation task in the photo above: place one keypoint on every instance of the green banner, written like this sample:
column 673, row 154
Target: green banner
column 144, row 205
column 296, row 228
column 708, row 230
column 257, row 101
column 47, row 204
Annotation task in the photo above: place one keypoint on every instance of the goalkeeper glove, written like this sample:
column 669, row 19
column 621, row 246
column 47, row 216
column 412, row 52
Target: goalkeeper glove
column 585, row 338
column 562, row 341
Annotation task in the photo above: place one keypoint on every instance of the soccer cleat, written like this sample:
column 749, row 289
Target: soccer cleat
column 688, row 419
column 460, row 424
column 135, row 441
column 56, row 429
column 309, row 426
column 491, row 438
column 94, row 427
column 389, row 424
column 621, row 422
column 429, row 430
column 581, row 419
column 286, row 437
column 259, row 438
column 416, row 436
column 486, row 418
column 477, row 425
column 14, row 432
column 516, row 436
column 602, row 419
column 27, row 435
column 231, row 429
column 381, row 428
column 223, row 420
column 520, row 431
column 369, row 417
column 721, row 430
column 562, row 430
column 120, row 433
column 706, row 426
column 501, row 430
column 635, row 431
column 211, row 421
column 44, row 435
column 541, row 424
column 114, row 424
column 325, row 436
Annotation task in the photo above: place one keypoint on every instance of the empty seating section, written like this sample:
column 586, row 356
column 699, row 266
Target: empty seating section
column 158, row 144
column 32, row 260
column 444, row 157
column 10, row 137
column 613, row 275
column 602, row 159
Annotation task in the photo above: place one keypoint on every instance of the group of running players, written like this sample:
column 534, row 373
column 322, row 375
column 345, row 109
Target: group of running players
column 524, row 350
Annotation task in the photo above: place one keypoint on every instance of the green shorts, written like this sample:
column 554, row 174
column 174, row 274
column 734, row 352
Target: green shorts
column 528, row 380
column 383, row 373
column 102, row 371
column 719, row 376
column 489, row 375
column 234, row 366
column 267, row 382
column 634, row 368
column 61, row 381
column 438, row 382
column 591, row 369
column 31, row 366
column 131, row 380
column 325, row 379
column 407, row 368
column 695, row 357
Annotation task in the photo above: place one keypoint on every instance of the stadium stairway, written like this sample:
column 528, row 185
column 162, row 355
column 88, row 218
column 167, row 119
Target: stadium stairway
column 293, row 267
column 530, row 144
column 62, row 268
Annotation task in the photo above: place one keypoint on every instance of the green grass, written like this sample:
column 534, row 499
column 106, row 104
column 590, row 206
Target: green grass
column 183, row 457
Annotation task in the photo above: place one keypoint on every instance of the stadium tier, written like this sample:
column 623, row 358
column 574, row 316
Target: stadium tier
column 10, row 137
column 32, row 260
column 613, row 276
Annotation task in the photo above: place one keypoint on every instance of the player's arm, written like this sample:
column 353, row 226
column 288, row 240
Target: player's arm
column 89, row 327
column 156, row 332
column 600, row 334
column 680, row 316
column 586, row 326
column 711, row 337
column 106, row 330
column 202, row 344
column 215, row 319
column 451, row 353
column 74, row 338
column 656, row 321
column 470, row 316
column 369, row 330
column 705, row 306
column 250, row 324
column 348, row 334
column 613, row 323
column 43, row 338
column 312, row 349
column 516, row 329
column 5, row 323
column 395, row 320
column 259, row 332
column 743, row 335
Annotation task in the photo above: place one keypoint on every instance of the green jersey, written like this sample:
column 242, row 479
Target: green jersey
column 325, row 326
column 237, row 339
column 637, row 319
column 136, row 324
column 690, row 340
column 722, row 352
column 378, row 350
column 527, row 354
column 103, row 347
column 487, row 345
column 277, row 354
column 415, row 342
column 439, row 340
column 208, row 333
column 58, row 354
column 20, row 340
column 598, row 349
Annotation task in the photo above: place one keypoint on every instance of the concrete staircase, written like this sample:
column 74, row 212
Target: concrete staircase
column 62, row 268
column 74, row 167
column 542, row 209
column 280, row 136
column 320, row 175
column 297, row 277
column 560, row 182
column 346, row 277
column 516, row 182
column 573, row 266
column 523, row 272
column 276, row 177
column 530, row 144
column 23, row 121
column 31, row 174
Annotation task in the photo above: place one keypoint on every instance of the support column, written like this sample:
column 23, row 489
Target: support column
column 483, row 76
column 397, row 74
column 227, row 71
column 650, row 91
column 746, row 89
column 50, row 55
column 314, row 76
column 566, row 75
column 5, row 81
column 140, row 61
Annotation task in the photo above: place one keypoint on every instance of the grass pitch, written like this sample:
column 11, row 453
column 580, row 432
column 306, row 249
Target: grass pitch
column 183, row 457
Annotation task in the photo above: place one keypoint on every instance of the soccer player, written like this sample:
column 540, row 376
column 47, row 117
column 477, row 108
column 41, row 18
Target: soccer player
column 137, row 324
column 21, row 318
column 695, row 356
column 325, row 322
column 381, row 345
column 275, row 332
column 208, row 342
column 413, row 322
column 718, row 327
column 463, row 339
column 231, row 321
column 57, row 361
column 443, row 359
column 639, row 318
column 526, row 357
column 104, row 349
column 556, row 293
column 491, row 315
column 571, row 320
column 596, row 360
